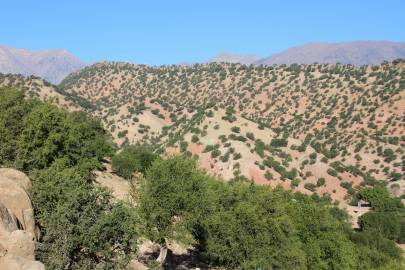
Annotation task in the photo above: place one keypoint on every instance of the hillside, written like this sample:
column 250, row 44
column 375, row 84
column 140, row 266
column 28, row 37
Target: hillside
column 327, row 129
column 355, row 53
column 36, row 87
column 51, row 65
column 179, row 211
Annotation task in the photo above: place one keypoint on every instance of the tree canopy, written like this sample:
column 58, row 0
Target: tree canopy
column 132, row 159
column 245, row 226
column 80, row 227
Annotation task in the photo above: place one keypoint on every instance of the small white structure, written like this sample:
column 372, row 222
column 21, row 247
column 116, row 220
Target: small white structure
column 363, row 203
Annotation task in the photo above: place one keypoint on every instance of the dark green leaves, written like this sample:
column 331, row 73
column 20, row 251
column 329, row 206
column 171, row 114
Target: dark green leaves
column 133, row 159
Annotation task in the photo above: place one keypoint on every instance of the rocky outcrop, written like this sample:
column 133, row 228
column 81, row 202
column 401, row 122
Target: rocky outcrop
column 17, row 224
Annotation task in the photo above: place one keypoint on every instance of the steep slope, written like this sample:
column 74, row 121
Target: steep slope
column 51, row 65
column 355, row 53
column 315, row 128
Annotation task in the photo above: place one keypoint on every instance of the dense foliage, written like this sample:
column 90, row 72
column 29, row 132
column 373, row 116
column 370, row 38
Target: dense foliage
column 173, row 189
column 80, row 227
column 132, row 159
column 387, row 216
column 254, row 227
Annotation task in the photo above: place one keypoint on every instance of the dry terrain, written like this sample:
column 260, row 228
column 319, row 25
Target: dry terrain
column 323, row 129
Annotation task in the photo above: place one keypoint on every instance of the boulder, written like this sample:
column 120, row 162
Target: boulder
column 13, row 195
column 18, row 177
column 11, row 262
column 17, row 224
column 8, row 221
column 22, row 244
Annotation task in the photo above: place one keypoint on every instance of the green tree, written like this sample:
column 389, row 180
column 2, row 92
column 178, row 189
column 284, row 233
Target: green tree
column 13, row 109
column 376, row 252
column 386, row 223
column 50, row 133
column 132, row 159
column 380, row 199
column 248, row 230
column 280, row 142
column 80, row 228
column 172, row 200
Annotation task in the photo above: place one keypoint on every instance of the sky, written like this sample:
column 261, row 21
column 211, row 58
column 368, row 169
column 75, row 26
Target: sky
column 169, row 32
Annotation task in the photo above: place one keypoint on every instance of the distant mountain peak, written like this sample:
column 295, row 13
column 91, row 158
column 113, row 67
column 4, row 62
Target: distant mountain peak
column 361, row 52
column 52, row 65
column 235, row 58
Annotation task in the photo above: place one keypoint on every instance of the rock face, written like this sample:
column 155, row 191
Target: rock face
column 51, row 65
column 17, row 225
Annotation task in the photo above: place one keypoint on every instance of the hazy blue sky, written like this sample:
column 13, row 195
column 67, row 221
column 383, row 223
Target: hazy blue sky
column 164, row 32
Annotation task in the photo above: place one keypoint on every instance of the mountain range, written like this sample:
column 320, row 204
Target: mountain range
column 51, row 65
column 245, row 59
column 356, row 53
column 55, row 65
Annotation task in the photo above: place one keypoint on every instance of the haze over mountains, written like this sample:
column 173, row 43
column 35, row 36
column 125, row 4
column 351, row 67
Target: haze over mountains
column 54, row 65
column 356, row 53
column 245, row 59
column 51, row 65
